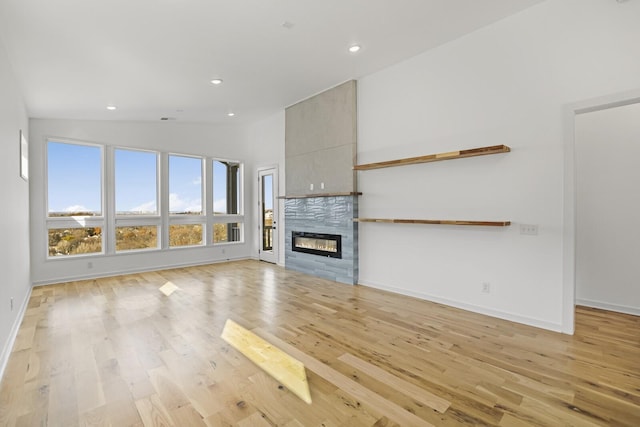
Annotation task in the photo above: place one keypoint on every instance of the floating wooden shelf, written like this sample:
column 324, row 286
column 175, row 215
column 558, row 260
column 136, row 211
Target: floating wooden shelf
column 473, row 152
column 436, row 222
column 308, row 196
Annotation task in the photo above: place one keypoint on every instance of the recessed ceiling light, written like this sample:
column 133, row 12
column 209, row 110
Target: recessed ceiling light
column 216, row 81
column 354, row 48
column 111, row 107
column 231, row 114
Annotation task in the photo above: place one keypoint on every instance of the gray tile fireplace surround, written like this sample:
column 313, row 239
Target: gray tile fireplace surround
column 332, row 215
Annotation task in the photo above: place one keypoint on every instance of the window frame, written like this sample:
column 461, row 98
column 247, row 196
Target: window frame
column 158, row 201
column 239, row 190
column 109, row 221
column 202, row 159
column 76, row 221
column 139, row 250
column 149, row 220
column 187, row 219
column 228, row 242
column 227, row 218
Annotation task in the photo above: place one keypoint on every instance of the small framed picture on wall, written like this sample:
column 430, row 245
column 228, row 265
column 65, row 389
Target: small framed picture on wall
column 24, row 156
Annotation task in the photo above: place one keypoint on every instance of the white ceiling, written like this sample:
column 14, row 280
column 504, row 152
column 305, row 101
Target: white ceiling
column 155, row 58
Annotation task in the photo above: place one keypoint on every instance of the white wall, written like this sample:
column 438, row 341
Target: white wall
column 183, row 138
column 508, row 83
column 608, row 205
column 266, row 142
column 14, row 212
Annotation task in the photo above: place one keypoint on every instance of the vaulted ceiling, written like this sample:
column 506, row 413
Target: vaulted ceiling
column 156, row 58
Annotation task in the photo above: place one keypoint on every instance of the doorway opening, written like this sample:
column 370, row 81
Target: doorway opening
column 569, row 236
column 607, row 203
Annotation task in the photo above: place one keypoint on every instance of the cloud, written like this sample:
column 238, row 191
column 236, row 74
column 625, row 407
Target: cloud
column 145, row 208
column 178, row 205
column 76, row 208
column 220, row 206
column 197, row 181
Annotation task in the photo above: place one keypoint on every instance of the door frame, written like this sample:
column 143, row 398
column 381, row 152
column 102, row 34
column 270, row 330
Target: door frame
column 570, row 191
column 272, row 256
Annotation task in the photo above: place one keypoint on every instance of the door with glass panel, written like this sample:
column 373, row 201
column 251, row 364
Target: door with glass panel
column 268, row 211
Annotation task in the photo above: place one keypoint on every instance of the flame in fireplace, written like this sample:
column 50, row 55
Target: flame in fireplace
column 317, row 244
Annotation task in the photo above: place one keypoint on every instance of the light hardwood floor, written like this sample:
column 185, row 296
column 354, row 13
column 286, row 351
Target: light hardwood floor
column 118, row 352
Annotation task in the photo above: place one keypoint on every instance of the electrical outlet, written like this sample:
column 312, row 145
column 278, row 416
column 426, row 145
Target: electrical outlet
column 486, row 287
column 529, row 229
column 90, row 264
column 310, row 186
column 322, row 185
column 11, row 303
column 223, row 251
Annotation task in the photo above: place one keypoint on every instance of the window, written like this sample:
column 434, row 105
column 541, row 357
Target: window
column 74, row 199
column 186, row 222
column 185, row 235
column 103, row 200
column 136, row 237
column 74, row 180
column 75, row 241
column 226, row 188
column 229, row 232
column 185, row 185
column 136, row 177
column 136, row 200
column 226, row 201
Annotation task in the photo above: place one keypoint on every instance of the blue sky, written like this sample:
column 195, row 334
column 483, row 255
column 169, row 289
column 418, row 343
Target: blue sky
column 75, row 175
column 135, row 181
column 74, row 178
column 185, row 184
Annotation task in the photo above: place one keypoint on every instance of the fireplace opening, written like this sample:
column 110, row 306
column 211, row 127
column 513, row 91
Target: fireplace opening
column 328, row 245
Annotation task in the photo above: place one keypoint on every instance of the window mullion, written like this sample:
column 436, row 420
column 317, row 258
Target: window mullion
column 110, row 198
column 163, row 190
column 162, row 196
column 207, row 194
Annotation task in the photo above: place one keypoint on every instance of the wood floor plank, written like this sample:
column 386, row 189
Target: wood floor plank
column 277, row 363
column 353, row 388
column 96, row 417
column 123, row 412
column 153, row 412
column 399, row 384
column 117, row 352
column 269, row 399
column 255, row 420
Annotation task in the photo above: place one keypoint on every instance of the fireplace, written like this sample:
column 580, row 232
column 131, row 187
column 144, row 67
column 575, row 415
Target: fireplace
column 314, row 217
column 327, row 245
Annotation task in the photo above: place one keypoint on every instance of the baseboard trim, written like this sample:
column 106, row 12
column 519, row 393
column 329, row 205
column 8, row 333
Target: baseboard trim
column 529, row 321
column 132, row 271
column 8, row 346
column 608, row 306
